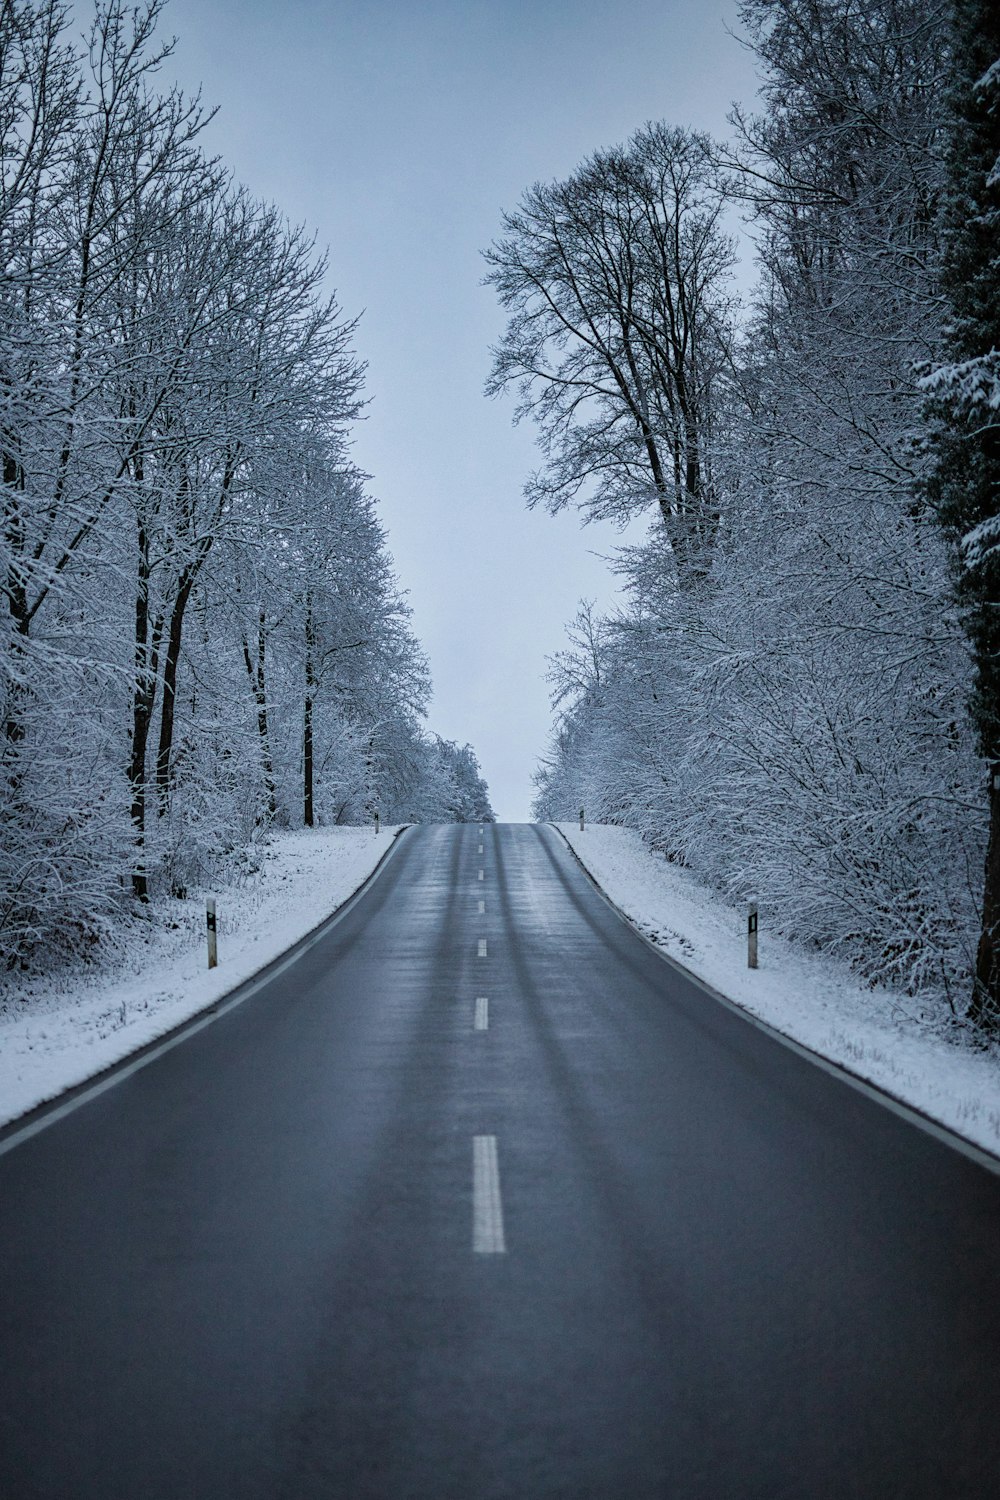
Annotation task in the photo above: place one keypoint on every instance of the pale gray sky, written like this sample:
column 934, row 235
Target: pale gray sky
column 398, row 132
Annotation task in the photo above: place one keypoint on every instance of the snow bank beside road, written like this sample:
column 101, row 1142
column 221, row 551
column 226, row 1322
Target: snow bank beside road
column 888, row 1038
column 54, row 1036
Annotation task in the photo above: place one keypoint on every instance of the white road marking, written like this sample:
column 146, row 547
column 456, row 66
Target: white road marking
column 480, row 848
column 482, row 1021
column 482, row 947
column 482, row 907
column 487, row 1207
column 480, row 874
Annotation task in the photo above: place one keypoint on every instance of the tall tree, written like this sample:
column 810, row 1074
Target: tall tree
column 964, row 396
column 795, row 731
column 615, row 283
column 172, row 364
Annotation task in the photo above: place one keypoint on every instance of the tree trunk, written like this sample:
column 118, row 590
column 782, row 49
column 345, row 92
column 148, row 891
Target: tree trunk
column 17, row 599
column 170, row 664
column 147, row 649
column 307, row 719
column 985, row 1008
column 258, row 686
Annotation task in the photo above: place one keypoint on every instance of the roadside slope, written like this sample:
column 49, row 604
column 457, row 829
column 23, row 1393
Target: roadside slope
column 896, row 1041
column 57, row 1033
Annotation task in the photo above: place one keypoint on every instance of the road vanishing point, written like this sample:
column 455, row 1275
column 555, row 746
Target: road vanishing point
column 481, row 1198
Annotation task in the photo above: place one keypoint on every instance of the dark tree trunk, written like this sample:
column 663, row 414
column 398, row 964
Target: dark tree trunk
column 17, row 597
column 985, row 1007
column 256, row 671
column 147, row 646
column 308, row 816
column 171, row 662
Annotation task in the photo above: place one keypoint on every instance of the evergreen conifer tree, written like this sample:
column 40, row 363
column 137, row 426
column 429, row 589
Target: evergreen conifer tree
column 964, row 405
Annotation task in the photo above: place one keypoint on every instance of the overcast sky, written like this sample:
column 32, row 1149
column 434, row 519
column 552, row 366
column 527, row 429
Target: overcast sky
column 398, row 130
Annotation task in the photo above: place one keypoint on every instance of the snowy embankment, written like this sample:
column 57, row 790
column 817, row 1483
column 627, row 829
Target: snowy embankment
column 891, row 1039
column 56, row 1034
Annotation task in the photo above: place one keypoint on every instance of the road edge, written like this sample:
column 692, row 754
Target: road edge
column 896, row 1105
column 22, row 1127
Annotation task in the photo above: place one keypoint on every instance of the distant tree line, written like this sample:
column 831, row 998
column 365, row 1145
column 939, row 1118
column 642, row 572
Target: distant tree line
column 201, row 632
column 798, row 696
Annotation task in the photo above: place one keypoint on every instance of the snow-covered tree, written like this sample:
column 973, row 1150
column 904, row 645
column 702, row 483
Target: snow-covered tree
column 794, row 728
column 964, row 392
column 201, row 630
column 451, row 789
column 615, row 282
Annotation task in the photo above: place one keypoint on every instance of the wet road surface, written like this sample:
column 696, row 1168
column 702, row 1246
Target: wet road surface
column 482, row 1199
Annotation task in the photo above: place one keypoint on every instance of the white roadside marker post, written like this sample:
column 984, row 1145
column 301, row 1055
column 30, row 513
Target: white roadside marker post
column 752, row 937
column 213, row 941
column 581, row 819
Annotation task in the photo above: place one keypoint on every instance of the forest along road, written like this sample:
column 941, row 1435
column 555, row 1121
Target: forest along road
column 480, row 1198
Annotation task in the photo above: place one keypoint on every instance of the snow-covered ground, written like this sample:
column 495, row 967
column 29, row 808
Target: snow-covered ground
column 55, row 1034
column 888, row 1038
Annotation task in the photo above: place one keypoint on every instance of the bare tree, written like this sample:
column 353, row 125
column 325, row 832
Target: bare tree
column 615, row 281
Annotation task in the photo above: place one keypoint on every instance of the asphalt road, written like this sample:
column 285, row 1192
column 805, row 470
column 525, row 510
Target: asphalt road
column 367, row 1236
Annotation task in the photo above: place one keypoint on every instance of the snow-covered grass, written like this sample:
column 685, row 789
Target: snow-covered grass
column 55, row 1034
column 893, row 1040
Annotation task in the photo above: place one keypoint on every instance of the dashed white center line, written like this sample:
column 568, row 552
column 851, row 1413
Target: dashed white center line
column 480, row 874
column 482, row 907
column 482, row 1018
column 487, row 1207
column 482, row 947
column 480, row 848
